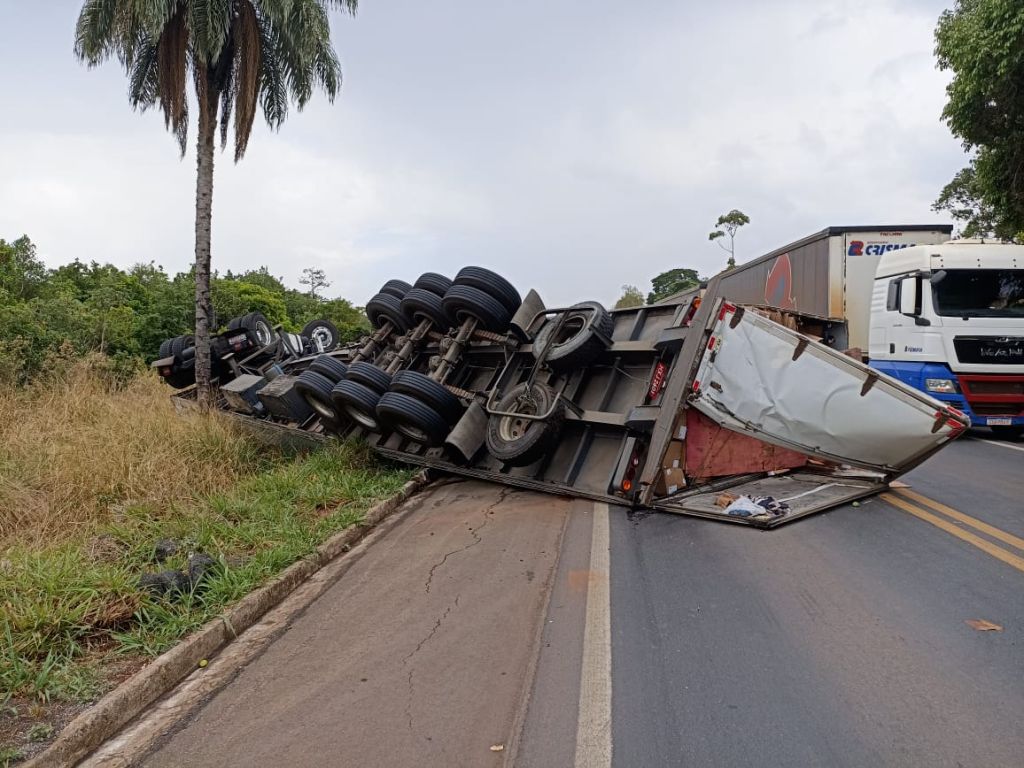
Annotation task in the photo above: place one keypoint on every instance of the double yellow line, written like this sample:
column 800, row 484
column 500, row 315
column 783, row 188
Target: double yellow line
column 904, row 498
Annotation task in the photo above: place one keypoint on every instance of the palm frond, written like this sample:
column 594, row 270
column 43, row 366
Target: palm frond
column 144, row 76
column 273, row 79
column 248, row 53
column 172, row 62
column 209, row 27
column 243, row 55
column 94, row 31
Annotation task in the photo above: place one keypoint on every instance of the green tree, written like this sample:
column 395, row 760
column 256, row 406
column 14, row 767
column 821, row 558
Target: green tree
column 21, row 271
column 964, row 200
column 239, row 54
column 351, row 320
column 631, row 297
column 673, row 281
column 981, row 42
column 233, row 298
column 262, row 278
column 728, row 224
column 315, row 279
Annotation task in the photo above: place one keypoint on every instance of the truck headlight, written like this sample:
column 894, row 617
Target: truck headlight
column 945, row 386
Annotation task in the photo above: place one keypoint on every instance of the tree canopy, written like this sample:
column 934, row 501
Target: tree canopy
column 981, row 42
column 631, row 297
column 672, row 281
column 240, row 55
column 49, row 314
column 728, row 224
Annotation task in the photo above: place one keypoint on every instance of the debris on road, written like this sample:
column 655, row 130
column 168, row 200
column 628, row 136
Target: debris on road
column 983, row 626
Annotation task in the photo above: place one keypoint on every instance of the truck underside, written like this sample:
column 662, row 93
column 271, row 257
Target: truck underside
column 701, row 408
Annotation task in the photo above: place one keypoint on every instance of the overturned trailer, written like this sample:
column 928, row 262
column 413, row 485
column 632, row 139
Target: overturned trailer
column 701, row 407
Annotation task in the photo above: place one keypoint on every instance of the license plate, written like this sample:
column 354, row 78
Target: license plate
column 998, row 421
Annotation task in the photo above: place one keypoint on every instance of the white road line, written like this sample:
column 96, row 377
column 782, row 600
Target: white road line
column 594, row 726
column 1001, row 445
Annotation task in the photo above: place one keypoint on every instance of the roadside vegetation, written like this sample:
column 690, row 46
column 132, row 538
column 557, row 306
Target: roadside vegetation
column 80, row 308
column 101, row 483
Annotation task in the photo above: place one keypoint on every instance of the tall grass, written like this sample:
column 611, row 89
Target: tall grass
column 92, row 475
column 81, row 446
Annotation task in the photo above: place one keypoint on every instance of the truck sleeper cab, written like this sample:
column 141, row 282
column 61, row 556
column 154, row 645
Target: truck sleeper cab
column 949, row 320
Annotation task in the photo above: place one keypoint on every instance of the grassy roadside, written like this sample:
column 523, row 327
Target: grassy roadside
column 73, row 617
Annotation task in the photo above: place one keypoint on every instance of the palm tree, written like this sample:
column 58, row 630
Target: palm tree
column 240, row 54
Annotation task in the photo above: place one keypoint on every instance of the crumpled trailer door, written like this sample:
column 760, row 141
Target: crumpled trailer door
column 763, row 380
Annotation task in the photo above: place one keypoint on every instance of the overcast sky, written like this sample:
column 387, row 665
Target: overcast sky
column 572, row 146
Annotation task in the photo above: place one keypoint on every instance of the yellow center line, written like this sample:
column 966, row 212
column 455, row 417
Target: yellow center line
column 991, row 530
column 983, row 544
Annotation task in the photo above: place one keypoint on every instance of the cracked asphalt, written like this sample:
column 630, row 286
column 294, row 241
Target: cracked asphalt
column 847, row 639
column 421, row 654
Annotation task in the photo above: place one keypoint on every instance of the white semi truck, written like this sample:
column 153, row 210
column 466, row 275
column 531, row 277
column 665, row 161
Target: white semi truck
column 944, row 316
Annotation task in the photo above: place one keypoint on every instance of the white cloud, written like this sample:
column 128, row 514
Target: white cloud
column 572, row 147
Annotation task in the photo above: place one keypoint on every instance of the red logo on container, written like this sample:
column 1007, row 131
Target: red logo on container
column 778, row 287
column 657, row 380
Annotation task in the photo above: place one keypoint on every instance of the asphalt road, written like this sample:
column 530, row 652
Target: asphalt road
column 840, row 640
column 569, row 634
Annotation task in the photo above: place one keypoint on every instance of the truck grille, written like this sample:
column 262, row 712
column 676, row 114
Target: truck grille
column 994, row 350
column 993, row 395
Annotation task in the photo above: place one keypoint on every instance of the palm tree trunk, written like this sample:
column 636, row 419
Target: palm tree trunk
column 204, row 210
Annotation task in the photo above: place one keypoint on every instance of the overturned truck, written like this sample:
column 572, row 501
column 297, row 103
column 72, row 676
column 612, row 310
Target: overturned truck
column 700, row 407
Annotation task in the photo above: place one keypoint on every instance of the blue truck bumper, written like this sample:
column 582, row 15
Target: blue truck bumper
column 915, row 374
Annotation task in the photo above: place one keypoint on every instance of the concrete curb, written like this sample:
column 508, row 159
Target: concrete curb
column 104, row 719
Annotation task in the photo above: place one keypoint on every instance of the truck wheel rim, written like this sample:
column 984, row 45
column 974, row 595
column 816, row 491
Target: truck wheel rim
column 414, row 434
column 570, row 328
column 362, row 418
column 511, row 428
column 321, row 408
column 322, row 337
column 263, row 333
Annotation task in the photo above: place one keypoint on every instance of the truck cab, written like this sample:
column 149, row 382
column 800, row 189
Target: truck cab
column 949, row 320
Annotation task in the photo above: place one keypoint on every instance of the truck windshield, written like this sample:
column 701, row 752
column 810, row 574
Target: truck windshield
column 979, row 292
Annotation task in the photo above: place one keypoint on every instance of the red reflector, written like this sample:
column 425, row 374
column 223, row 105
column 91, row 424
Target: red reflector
column 627, row 484
column 165, row 371
column 711, row 343
column 696, row 386
column 956, row 426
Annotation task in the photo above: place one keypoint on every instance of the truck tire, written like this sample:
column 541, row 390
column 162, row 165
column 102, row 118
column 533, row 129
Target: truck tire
column 358, row 402
column 463, row 301
column 520, row 442
column 369, row 376
column 323, row 331
column 329, row 368
column 179, row 344
column 420, row 304
column 577, row 345
column 433, row 282
column 428, row 392
column 396, row 288
column 316, row 389
column 165, row 349
column 258, row 325
column 1008, row 432
column 384, row 307
column 492, row 284
column 412, row 418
